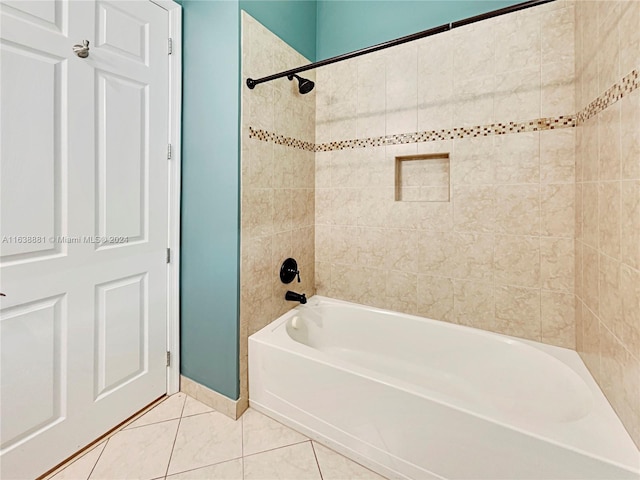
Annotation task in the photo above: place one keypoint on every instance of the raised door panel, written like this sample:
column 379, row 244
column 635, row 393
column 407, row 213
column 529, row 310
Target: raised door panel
column 122, row 33
column 34, row 152
column 122, row 144
column 48, row 14
column 122, row 324
column 33, row 366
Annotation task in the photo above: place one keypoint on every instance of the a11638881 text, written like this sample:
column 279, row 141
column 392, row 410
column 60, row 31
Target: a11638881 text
column 69, row 239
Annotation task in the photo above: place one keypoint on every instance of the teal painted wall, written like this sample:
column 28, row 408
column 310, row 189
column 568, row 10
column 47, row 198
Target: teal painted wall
column 210, row 231
column 210, row 144
column 210, row 194
column 347, row 25
column 294, row 21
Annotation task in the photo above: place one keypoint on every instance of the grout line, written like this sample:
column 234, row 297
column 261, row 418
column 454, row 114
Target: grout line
column 204, row 466
column 277, row 448
column 141, row 414
column 317, row 462
column 166, row 473
column 242, row 444
column 242, row 435
column 68, row 463
column 184, row 403
column 127, row 427
column 99, row 457
column 173, row 447
column 148, row 424
column 201, row 413
column 100, row 440
column 540, row 280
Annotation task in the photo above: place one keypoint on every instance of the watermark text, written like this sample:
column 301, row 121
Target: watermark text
column 68, row 239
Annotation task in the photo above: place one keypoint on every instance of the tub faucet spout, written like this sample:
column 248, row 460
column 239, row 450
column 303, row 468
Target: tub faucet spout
column 295, row 297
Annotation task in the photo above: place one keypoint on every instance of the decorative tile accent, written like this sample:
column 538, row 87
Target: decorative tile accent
column 266, row 136
column 624, row 87
column 419, row 137
column 627, row 85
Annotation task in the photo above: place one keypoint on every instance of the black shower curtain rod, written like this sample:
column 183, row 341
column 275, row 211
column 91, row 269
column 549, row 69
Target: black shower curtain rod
column 251, row 83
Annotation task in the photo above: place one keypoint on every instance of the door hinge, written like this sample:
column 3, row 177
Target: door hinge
column 169, row 152
column 168, row 359
column 170, row 46
column 168, row 255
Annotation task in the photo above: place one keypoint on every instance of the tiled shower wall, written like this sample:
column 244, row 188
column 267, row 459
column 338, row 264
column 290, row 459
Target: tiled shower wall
column 499, row 255
column 608, row 201
column 277, row 185
column 501, row 98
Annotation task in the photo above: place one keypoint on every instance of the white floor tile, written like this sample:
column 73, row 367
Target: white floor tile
column 204, row 440
column 261, row 433
column 231, row 470
column 140, row 453
column 194, row 407
column 81, row 468
column 205, row 444
column 169, row 409
column 295, row 462
column 334, row 466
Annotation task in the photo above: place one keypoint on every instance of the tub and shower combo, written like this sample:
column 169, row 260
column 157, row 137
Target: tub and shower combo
column 416, row 398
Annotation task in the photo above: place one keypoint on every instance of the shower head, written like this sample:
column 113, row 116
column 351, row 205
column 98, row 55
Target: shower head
column 304, row 85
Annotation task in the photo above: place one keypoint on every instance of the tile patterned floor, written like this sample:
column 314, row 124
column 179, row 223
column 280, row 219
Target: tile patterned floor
column 183, row 439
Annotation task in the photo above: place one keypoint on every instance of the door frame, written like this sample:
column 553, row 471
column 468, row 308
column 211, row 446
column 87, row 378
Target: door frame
column 174, row 164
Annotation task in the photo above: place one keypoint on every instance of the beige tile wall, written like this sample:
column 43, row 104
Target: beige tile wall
column 500, row 254
column 277, row 185
column 533, row 218
column 608, row 206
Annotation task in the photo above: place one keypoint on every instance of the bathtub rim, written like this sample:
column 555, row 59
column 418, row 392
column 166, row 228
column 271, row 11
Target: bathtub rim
column 568, row 357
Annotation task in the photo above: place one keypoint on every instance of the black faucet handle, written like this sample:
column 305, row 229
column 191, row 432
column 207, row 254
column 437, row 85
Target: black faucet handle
column 289, row 270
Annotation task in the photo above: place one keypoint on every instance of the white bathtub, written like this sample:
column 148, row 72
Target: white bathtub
column 416, row 398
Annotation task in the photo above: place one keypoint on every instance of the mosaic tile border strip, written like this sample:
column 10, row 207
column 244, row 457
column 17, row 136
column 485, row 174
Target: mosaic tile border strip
column 267, row 136
column 419, row 137
column 619, row 90
column 452, row 134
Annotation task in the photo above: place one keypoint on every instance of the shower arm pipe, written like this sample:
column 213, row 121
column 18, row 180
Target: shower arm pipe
column 251, row 83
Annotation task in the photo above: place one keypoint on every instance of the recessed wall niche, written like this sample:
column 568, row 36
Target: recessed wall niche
column 423, row 178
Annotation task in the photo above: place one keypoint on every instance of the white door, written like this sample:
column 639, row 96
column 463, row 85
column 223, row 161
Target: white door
column 83, row 158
